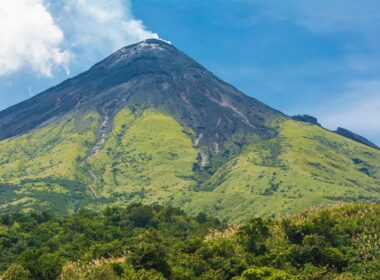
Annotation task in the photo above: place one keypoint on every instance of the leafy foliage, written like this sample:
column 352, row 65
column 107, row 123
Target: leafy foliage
column 264, row 273
column 155, row 242
column 16, row 272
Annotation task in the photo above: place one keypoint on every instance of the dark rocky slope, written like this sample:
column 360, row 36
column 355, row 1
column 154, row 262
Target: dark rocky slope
column 149, row 74
column 355, row 137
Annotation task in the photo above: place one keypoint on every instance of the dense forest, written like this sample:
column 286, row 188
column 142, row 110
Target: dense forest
column 155, row 242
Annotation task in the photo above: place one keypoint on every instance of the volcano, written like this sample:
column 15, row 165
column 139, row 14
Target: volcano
column 149, row 124
column 150, row 74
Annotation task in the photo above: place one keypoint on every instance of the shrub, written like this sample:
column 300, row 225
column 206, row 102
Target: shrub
column 16, row 272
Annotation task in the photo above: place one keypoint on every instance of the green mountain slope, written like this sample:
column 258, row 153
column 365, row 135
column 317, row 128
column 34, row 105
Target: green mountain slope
column 41, row 169
column 147, row 156
column 302, row 167
column 149, row 124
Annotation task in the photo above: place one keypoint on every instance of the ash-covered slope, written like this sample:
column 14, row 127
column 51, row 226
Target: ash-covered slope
column 149, row 74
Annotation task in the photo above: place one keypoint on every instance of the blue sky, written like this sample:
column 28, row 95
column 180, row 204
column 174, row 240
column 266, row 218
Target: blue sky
column 319, row 57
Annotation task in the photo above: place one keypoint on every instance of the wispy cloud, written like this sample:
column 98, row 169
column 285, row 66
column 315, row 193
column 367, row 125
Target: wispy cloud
column 321, row 15
column 356, row 108
column 29, row 38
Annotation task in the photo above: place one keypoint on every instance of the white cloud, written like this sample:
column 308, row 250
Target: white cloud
column 357, row 108
column 29, row 38
column 45, row 35
column 101, row 26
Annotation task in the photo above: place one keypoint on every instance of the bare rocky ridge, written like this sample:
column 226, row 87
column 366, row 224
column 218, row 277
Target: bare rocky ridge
column 355, row 137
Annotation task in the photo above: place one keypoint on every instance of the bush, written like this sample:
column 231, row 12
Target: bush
column 16, row 272
column 100, row 272
column 143, row 274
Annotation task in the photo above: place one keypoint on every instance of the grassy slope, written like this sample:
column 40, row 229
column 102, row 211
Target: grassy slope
column 41, row 168
column 148, row 156
column 303, row 167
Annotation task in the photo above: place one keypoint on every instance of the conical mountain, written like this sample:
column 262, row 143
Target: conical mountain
column 150, row 74
column 149, row 124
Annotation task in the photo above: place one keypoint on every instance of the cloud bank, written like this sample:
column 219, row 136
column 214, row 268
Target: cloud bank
column 43, row 36
column 29, row 38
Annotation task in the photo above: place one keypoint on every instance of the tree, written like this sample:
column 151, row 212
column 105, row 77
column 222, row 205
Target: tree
column 141, row 215
column 253, row 236
column 149, row 253
column 264, row 273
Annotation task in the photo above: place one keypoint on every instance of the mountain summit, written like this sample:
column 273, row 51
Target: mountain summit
column 149, row 124
column 154, row 74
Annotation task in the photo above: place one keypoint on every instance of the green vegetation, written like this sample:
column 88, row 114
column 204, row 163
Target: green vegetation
column 154, row 242
column 304, row 166
column 149, row 157
column 41, row 169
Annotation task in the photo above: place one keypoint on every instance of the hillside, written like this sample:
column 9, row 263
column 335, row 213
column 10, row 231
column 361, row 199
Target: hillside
column 148, row 124
column 156, row 243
